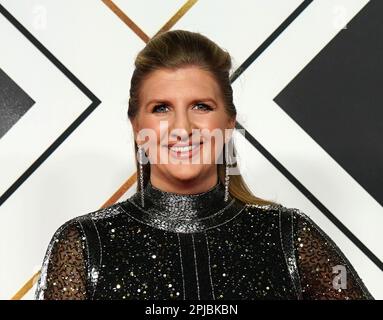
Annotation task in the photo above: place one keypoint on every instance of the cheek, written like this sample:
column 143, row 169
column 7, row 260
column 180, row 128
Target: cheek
column 212, row 149
column 150, row 130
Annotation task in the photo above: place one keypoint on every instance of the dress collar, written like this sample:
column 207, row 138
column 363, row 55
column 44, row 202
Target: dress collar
column 183, row 212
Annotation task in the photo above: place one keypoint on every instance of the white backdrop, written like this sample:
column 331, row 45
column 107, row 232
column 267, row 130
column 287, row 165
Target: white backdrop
column 76, row 56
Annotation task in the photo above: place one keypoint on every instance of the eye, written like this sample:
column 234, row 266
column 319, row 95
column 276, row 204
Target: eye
column 158, row 107
column 205, row 106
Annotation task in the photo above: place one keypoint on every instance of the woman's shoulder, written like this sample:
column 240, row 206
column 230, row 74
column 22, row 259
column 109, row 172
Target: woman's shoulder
column 284, row 216
column 295, row 224
column 278, row 209
column 274, row 209
column 81, row 223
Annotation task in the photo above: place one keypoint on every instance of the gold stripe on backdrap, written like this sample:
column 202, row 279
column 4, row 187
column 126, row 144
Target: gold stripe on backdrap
column 177, row 16
column 136, row 29
column 121, row 190
column 26, row 287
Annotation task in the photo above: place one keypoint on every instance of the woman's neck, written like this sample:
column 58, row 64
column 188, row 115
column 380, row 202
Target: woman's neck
column 190, row 186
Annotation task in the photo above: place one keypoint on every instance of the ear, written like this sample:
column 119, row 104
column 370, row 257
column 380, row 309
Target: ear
column 231, row 125
column 134, row 124
column 232, row 122
column 135, row 128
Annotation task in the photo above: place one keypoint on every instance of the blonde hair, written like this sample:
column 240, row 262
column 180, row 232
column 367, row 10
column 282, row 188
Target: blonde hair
column 180, row 48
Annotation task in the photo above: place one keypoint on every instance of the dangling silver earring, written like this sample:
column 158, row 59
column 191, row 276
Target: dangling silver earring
column 227, row 176
column 141, row 173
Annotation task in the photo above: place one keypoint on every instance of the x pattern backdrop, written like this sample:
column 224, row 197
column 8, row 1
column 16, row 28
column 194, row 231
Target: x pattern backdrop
column 307, row 90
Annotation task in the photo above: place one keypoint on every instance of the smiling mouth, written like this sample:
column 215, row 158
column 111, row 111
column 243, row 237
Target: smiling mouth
column 184, row 149
column 184, row 152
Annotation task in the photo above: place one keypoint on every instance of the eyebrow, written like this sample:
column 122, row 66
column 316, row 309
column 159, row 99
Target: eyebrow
column 193, row 101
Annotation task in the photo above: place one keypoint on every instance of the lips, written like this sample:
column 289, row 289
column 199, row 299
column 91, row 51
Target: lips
column 187, row 151
column 181, row 147
column 170, row 145
column 184, row 149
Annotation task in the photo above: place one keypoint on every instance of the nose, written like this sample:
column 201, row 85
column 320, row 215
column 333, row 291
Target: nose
column 180, row 126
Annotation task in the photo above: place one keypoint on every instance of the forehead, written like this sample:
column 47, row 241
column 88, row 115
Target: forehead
column 183, row 82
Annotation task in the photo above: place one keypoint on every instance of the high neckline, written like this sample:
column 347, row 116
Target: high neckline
column 195, row 206
column 183, row 212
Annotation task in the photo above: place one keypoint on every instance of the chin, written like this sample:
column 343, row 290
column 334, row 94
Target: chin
column 184, row 171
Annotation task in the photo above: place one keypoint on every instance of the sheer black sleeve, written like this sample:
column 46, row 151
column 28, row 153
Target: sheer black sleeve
column 63, row 274
column 325, row 272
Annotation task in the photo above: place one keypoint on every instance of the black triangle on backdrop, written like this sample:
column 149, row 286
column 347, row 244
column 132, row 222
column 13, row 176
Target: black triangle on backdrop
column 284, row 171
column 14, row 103
column 338, row 100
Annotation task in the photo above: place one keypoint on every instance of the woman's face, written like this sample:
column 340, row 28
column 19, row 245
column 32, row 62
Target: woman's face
column 188, row 105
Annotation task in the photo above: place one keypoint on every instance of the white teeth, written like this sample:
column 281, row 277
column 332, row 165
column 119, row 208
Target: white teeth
column 184, row 149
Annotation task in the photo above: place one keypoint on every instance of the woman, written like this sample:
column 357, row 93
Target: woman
column 193, row 229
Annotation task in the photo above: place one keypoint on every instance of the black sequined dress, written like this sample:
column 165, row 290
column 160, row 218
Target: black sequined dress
column 195, row 247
